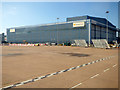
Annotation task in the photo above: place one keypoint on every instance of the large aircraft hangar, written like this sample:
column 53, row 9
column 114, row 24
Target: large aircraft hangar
column 80, row 27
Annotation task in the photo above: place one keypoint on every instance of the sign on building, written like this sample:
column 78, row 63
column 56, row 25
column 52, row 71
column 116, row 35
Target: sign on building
column 79, row 24
column 12, row 30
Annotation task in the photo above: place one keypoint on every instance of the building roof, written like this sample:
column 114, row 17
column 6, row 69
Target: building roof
column 98, row 19
column 49, row 24
column 75, row 19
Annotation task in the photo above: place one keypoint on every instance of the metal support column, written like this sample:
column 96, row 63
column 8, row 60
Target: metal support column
column 89, row 32
column 57, row 31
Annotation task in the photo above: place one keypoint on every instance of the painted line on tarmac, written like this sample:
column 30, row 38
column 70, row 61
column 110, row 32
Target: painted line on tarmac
column 106, row 69
column 49, row 75
column 92, row 77
column 114, row 65
column 76, row 85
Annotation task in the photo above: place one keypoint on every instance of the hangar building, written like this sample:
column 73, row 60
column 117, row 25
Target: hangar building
column 81, row 27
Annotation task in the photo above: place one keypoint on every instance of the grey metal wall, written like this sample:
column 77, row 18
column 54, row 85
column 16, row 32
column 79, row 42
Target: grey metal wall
column 119, row 34
column 49, row 33
column 76, row 18
column 99, row 32
column 2, row 38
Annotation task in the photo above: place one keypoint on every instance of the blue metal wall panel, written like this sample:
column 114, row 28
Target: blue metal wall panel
column 66, row 32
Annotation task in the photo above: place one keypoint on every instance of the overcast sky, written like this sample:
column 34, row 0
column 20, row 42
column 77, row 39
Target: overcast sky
column 32, row 13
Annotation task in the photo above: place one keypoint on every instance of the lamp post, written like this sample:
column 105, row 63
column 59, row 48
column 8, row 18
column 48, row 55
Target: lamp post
column 107, row 26
column 57, row 31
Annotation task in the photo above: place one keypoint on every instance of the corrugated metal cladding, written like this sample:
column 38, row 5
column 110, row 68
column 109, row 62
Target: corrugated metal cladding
column 119, row 34
column 61, row 32
column 99, row 32
column 2, row 38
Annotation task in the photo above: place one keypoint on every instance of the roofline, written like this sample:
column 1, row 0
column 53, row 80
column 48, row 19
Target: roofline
column 88, row 16
column 45, row 24
column 58, row 24
column 76, row 16
column 94, row 17
column 104, row 24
